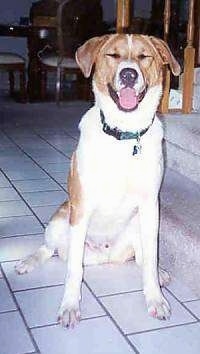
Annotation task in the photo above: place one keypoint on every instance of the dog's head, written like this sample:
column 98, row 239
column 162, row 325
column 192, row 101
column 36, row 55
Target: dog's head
column 126, row 66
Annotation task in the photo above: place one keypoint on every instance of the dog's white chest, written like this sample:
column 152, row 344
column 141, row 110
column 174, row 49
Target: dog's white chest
column 114, row 180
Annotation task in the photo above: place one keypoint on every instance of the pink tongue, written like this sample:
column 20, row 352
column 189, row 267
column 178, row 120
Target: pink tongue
column 128, row 98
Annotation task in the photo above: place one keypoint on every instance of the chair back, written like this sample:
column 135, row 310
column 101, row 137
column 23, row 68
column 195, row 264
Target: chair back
column 44, row 21
column 77, row 20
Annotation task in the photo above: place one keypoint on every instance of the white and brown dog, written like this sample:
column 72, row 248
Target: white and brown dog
column 113, row 214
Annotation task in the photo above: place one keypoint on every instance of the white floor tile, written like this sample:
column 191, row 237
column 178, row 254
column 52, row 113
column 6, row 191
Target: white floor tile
column 5, row 142
column 66, row 149
column 14, row 337
column 44, row 153
column 51, row 273
column 7, row 302
column 40, row 306
column 15, row 248
column 183, row 340
column 194, row 306
column 36, row 185
column 29, row 141
column 51, row 159
column 10, row 152
column 14, row 163
column 94, row 336
column 3, row 181
column 62, row 141
column 44, row 213
column 22, row 174
column 14, row 208
column 182, row 291
column 60, row 177
column 110, row 279
column 20, row 225
column 45, row 198
column 7, row 194
column 57, row 167
column 129, row 310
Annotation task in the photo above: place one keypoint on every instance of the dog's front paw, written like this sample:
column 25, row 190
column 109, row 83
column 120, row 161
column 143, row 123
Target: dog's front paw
column 69, row 317
column 159, row 308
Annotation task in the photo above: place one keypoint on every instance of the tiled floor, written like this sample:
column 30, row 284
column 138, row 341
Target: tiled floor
column 36, row 142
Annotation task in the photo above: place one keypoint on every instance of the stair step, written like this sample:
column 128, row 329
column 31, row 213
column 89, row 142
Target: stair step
column 180, row 228
column 182, row 133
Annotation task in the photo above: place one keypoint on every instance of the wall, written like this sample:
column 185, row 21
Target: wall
column 10, row 12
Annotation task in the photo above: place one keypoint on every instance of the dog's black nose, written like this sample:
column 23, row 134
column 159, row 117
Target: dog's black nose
column 128, row 77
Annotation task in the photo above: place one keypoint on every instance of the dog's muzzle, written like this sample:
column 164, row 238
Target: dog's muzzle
column 126, row 97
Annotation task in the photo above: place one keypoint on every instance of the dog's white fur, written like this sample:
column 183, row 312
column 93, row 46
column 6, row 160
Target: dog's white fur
column 120, row 216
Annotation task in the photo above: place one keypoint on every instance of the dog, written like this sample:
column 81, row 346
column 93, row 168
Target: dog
column 116, row 171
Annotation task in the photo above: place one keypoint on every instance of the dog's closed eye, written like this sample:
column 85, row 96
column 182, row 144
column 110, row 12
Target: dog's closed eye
column 144, row 56
column 113, row 55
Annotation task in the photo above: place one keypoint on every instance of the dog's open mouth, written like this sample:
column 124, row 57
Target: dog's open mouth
column 126, row 98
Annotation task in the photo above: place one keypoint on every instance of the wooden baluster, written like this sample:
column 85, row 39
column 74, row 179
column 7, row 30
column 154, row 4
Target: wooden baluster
column 123, row 15
column 166, row 73
column 196, row 43
column 189, row 57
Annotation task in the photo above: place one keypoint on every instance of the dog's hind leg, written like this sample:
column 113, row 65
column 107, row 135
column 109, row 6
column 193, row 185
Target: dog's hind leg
column 34, row 260
column 55, row 239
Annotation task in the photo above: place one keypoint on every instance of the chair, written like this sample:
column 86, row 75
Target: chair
column 62, row 59
column 12, row 63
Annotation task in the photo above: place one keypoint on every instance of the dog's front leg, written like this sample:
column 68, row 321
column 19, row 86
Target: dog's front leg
column 149, row 222
column 69, row 312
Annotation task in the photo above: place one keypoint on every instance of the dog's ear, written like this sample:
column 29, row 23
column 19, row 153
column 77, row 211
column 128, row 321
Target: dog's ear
column 166, row 55
column 87, row 53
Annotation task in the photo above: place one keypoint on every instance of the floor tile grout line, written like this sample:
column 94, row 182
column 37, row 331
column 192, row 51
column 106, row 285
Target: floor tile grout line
column 42, row 191
column 8, row 311
column 181, row 148
column 194, row 300
column 58, row 324
column 112, row 319
column 18, row 236
column 182, row 304
column 20, row 312
column 16, row 216
column 57, row 149
column 38, row 288
column 71, row 136
column 161, row 328
column 119, row 293
column 136, row 291
column 22, row 198
column 37, row 164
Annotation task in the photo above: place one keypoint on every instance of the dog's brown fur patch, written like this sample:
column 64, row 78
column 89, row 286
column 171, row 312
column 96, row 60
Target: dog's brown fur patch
column 75, row 193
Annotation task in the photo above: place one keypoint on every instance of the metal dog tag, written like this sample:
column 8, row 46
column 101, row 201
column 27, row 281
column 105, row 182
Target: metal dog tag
column 137, row 148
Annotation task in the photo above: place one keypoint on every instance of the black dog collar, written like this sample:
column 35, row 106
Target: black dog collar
column 120, row 135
